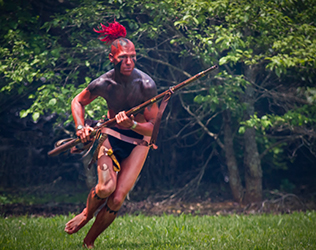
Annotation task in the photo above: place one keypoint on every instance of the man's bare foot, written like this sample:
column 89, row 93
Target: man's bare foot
column 86, row 245
column 77, row 223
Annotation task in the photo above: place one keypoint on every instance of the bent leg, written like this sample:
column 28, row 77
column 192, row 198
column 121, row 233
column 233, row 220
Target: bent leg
column 83, row 218
column 105, row 187
column 130, row 169
column 107, row 177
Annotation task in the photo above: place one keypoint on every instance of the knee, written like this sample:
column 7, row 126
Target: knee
column 117, row 200
column 104, row 191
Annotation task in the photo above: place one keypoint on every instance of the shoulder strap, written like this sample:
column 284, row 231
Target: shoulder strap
column 162, row 108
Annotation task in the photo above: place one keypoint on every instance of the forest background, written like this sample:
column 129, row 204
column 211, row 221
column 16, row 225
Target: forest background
column 242, row 133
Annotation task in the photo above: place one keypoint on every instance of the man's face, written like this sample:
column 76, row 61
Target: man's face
column 123, row 55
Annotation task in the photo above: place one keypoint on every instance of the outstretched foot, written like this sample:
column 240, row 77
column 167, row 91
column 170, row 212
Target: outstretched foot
column 74, row 225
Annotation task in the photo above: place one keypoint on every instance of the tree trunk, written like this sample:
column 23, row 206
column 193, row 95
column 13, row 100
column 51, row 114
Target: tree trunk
column 252, row 163
column 253, row 171
column 234, row 176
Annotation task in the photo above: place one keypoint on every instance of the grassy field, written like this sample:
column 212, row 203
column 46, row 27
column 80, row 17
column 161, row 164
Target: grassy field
column 289, row 231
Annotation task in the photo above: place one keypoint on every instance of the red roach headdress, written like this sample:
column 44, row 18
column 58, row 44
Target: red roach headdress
column 112, row 32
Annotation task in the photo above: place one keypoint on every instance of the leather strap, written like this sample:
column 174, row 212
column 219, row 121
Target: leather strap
column 107, row 131
column 96, row 152
column 162, row 108
column 154, row 135
column 125, row 138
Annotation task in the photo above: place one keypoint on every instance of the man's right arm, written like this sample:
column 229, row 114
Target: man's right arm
column 77, row 109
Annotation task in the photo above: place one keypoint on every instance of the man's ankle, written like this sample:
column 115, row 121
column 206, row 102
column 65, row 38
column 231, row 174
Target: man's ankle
column 87, row 245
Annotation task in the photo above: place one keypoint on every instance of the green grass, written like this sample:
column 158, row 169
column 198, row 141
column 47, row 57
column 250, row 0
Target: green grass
column 290, row 231
column 35, row 195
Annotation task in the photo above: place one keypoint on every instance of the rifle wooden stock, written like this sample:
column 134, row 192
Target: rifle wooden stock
column 64, row 147
column 132, row 111
column 76, row 141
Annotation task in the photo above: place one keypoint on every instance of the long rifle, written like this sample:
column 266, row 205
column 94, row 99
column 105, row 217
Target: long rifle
column 133, row 111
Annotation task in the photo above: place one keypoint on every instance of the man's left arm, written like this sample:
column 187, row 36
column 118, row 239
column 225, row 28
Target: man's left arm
column 150, row 114
column 143, row 127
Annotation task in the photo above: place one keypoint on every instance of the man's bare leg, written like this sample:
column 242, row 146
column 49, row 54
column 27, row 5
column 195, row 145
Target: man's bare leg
column 130, row 169
column 104, row 219
column 105, row 187
column 93, row 203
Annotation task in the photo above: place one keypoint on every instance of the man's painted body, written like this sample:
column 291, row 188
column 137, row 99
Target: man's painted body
column 123, row 88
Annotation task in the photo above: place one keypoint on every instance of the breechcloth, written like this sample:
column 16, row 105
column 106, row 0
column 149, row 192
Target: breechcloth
column 123, row 149
column 122, row 142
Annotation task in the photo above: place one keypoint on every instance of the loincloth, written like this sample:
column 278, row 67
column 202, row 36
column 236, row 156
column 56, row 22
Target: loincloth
column 123, row 149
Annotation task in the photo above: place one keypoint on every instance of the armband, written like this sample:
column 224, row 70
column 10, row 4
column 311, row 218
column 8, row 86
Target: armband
column 134, row 125
column 79, row 127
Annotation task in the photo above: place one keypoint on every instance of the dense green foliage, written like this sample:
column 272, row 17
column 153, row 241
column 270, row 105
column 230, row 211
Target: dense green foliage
column 264, row 92
column 48, row 58
column 290, row 231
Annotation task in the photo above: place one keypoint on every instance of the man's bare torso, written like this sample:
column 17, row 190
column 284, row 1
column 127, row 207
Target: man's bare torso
column 123, row 93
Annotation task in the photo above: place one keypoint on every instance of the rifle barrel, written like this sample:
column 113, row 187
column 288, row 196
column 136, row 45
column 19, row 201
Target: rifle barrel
column 132, row 111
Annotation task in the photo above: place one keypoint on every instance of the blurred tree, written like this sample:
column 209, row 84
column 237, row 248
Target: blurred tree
column 267, row 52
